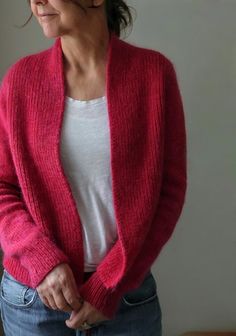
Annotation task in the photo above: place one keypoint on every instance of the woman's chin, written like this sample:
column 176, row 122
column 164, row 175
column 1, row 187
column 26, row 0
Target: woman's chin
column 51, row 33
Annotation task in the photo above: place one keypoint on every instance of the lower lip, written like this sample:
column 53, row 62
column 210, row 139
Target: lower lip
column 47, row 17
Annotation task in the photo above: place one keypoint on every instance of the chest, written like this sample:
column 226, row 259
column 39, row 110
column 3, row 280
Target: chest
column 85, row 87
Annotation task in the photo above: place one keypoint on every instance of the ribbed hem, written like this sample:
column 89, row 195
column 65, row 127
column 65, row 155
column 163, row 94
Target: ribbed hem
column 105, row 300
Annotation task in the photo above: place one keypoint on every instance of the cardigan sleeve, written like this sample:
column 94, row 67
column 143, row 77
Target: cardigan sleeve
column 169, row 207
column 20, row 237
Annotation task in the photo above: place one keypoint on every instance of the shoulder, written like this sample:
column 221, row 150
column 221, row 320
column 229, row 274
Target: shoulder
column 148, row 62
column 149, row 55
column 24, row 66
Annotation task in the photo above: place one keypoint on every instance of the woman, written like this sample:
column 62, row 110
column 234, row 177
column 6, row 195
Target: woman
column 92, row 176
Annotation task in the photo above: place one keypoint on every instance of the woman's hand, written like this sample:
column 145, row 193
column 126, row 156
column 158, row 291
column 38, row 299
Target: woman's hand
column 58, row 290
column 87, row 313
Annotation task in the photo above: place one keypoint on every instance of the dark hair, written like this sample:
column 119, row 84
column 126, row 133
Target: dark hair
column 118, row 15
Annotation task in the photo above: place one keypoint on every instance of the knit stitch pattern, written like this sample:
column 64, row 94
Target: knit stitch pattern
column 40, row 226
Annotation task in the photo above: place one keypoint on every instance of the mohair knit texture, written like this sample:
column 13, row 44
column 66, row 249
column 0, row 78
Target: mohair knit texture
column 40, row 226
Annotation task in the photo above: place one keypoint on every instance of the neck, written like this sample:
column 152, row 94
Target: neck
column 84, row 52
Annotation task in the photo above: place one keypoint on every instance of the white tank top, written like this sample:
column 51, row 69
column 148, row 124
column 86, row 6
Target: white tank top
column 85, row 155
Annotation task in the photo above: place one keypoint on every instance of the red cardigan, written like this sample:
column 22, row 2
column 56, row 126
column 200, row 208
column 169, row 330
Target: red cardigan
column 40, row 226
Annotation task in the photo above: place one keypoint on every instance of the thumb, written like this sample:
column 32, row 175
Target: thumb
column 72, row 315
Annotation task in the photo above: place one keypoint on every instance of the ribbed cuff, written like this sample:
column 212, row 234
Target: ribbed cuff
column 41, row 258
column 105, row 300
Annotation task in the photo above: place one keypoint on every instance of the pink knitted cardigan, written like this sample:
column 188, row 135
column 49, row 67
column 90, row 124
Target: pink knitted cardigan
column 40, row 226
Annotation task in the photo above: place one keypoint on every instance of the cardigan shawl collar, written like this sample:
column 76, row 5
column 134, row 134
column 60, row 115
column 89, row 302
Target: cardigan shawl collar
column 47, row 228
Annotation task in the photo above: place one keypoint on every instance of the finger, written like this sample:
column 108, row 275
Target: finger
column 72, row 298
column 76, row 319
column 52, row 302
column 44, row 301
column 71, row 292
column 74, row 287
column 61, row 303
column 88, row 314
column 48, row 301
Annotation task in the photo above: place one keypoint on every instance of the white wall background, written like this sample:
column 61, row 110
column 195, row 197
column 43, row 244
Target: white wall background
column 196, row 270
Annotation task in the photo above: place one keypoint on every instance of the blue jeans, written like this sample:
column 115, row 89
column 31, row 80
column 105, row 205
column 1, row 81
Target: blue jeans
column 23, row 313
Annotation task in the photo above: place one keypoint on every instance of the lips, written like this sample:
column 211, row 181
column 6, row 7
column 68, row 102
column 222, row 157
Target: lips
column 46, row 14
column 47, row 17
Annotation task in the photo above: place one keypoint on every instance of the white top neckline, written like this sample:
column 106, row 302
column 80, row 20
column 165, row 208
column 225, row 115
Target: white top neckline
column 86, row 102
